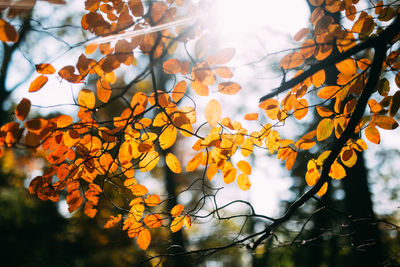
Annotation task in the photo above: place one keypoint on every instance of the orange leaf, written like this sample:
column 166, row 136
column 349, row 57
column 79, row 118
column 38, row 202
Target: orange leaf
column 177, row 224
column 199, row 88
column 229, row 173
column 103, row 90
column 177, row 210
column 172, row 66
column 45, row 68
column 251, row 116
column 373, row 135
column 38, row 83
column 167, row 137
column 323, row 189
column 213, row 112
column 324, row 129
column 153, row 220
column 194, row 162
column 301, row 34
column 301, row 109
column 90, row 49
column 244, row 182
column 386, row 122
column 67, row 73
column 179, row 91
column 152, row 200
column 211, row 171
column 229, row 88
column 173, row 163
column 244, row 166
column 324, row 112
column 86, row 98
column 23, row 109
column 374, row 106
column 112, row 221
column 139, row 190
column 144, row 239
column 318, row 78
column 328, row 91
column 347, row 66
column 292, row 60
column 337, row 171
column 7, row 32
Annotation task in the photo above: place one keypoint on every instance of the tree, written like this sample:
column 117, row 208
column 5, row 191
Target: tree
column 91, row 157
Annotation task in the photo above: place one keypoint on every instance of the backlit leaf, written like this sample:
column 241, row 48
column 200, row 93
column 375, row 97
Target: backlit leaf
column 229, row 88
column 173, row 163
column 177, row 210
column 386, row 122
column 172, row 66
column 394, row 104
column 324, row 112
column 38, row 83
column 244, row 167
column 301, row 109
column 328, row 92
column 194, row 162
column 144, row 239
column 244, row 182
column 45, row 68
column 347, row 66
column 292, row 60
column 152, row 200
column 324, row 129
column 301, row 34
column 86, row 98
column 199, row 88
column 167, row 137
column 224, row 72
column 139, row 190
column 213, row 112
column 177, row 224
column 153, row 220
column 7, row 32
column 323, row 189
column 251, row 116
column 337, row 171
column 318, row 78
column 23, row 109
column 179, row 91
column 222, row 56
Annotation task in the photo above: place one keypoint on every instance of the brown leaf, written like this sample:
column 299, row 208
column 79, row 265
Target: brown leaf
column 7, row 32
column 23, row 109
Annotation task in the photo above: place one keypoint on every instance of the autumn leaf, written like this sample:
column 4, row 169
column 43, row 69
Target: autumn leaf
column 139, row 190
column 229, row 88
column 301, row 34
column 152, row 200
column 144, row 239
column 38, row 83
column 194, row 162
column 177, row 224
column 213, row 112
column 292, row 60
column 153, row 220
column 386, row 122
column 244, row 182
column 86, row 98
column 337, row 171
column 179, row 91
column 172, row 66
column 244, row 167
column 177, row 210
column 7, row 32
column 23, row 109
column 251, row 116
column 173, row 163
column 324, row 129
column 223, row 56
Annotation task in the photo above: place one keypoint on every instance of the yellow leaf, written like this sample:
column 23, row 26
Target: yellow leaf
column 229, row 173
column 213, row 112
column 177, row 210
column 86, row 98
column 244, row 182
column 187, row 221
column 229, row 88
column 143, row 239
column 23, row 109
column 271, row 107
column 173, row 163
column 149, row 161
column 177, row 224
column 167, row 137
column 38, row 83
column 244, row 167
column 348, row 157
column 211, row 171
column 324, row 129
column 103, row 90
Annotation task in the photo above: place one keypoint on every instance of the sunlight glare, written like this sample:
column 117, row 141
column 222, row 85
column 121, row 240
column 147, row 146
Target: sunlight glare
column 237, row 18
